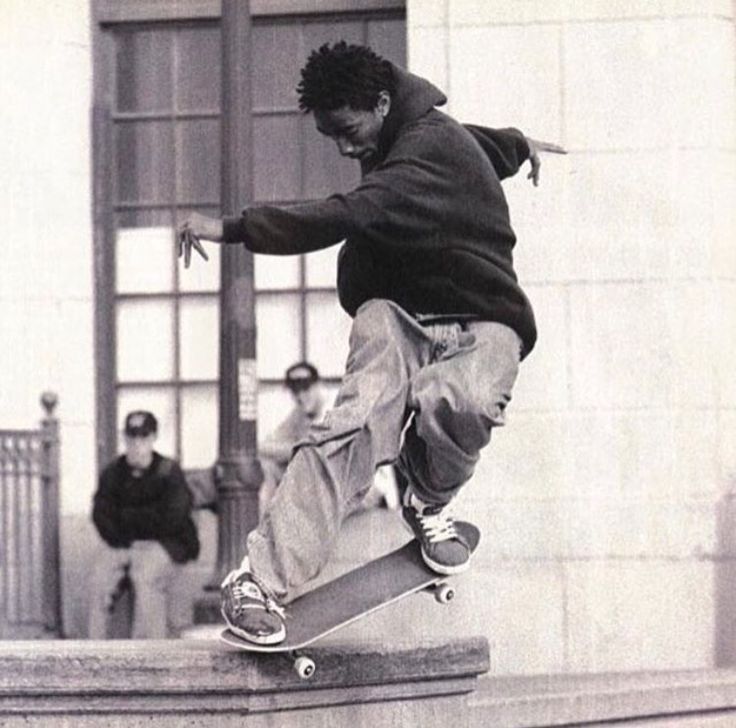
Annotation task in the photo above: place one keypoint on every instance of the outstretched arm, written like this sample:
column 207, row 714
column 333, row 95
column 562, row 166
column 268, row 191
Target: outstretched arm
column 509, row 148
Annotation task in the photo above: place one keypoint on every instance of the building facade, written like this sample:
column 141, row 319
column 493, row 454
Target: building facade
column 606, row 501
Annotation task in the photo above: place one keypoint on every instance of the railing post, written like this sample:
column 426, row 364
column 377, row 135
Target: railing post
column 50, row 514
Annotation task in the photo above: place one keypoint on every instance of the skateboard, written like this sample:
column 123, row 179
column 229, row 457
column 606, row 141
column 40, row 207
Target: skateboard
column 354, row 595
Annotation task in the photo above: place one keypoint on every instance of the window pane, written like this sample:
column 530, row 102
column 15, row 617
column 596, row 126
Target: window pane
column 144, row 261
column 145, row 161
column 199, row 426
column 145, row 346
column 276, row 271
column 388, row 39
column 198, row 69
column 198, row 176
column 322, row 267
column 199, row 338
column 160, row 401
column 330, row 31
column 280, row 44
column 325, row 315
column 202, row 275
column 143, row 70
column 277, row 319
column 277, row 158
column 274, row 404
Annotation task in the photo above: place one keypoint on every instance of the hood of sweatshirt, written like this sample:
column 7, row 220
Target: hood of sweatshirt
column 413, row 97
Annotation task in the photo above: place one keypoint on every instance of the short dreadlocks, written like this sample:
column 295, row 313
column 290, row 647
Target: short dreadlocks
column 344, row 75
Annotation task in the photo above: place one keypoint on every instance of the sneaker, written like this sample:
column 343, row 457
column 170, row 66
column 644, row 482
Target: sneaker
column 249, row 612
column 446, row 543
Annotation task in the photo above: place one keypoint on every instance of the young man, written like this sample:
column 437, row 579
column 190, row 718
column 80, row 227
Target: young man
column 142, row 510
column 440, row 322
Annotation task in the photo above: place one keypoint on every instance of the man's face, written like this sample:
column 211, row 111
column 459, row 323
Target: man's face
column 139, row 450
column 309, row 400
column 354, row 131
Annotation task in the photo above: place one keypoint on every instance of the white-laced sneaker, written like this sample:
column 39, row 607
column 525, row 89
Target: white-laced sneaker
column 249, row 612
column 446, row 548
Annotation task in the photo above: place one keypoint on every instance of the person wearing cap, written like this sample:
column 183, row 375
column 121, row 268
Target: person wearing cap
column 303, row 381
column 142, row 511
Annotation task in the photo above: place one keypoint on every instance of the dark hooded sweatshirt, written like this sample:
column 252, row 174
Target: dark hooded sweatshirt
column 427, row 227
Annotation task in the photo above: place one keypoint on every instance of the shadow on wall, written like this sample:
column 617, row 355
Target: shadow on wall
column 724, row 582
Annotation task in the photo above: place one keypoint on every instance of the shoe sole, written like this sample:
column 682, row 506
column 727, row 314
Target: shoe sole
column 443, row 569
column 273, row 639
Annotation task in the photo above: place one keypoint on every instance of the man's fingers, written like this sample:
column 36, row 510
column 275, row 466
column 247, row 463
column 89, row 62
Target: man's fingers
column 186, row 240
column 548, row 147
column 187, row 247
column 198, row 246
column 534, row 172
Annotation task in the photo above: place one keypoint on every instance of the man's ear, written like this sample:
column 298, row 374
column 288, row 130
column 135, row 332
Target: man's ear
column 384, row 103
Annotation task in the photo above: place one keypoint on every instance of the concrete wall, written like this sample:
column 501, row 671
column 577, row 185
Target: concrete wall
column 46, row 285
column 605, row 500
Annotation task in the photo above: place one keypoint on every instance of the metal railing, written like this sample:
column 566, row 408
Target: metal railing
column 30, row 590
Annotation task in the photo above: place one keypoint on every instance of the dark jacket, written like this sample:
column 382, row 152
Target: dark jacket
column 153, row 507
column 428, row 226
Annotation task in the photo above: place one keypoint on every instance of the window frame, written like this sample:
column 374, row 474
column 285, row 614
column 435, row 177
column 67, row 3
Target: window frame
column 110, row 16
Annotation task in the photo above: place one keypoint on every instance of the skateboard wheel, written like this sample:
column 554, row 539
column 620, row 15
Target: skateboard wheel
column 304, row 667
column 445, row 593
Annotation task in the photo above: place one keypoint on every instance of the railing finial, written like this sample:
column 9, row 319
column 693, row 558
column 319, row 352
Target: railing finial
column 49, row 400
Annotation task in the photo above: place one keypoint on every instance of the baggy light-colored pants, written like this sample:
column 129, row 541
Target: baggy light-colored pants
column 153, row 574
column 454, row 378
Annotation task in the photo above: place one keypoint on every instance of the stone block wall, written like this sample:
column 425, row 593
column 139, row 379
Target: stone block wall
column 606, row 500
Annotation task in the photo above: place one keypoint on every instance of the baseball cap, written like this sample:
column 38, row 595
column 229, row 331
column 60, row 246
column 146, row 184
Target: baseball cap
column 301, row 375
column 140, row 423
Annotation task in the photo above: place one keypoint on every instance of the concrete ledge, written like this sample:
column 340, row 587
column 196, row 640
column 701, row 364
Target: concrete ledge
column 202, row 683
column 75, row 678
column 677, row 698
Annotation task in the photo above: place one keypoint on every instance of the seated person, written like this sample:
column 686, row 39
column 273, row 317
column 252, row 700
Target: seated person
column 310, row 403
column 142, row 510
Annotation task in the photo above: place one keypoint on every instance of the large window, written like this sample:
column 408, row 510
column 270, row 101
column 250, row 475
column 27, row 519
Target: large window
column 159, row 86
column 166, row 160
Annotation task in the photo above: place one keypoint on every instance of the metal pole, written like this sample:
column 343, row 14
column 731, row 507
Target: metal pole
column 52, row 612
column 239, row 472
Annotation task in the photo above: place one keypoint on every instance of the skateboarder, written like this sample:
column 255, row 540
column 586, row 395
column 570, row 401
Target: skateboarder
column 440, row 322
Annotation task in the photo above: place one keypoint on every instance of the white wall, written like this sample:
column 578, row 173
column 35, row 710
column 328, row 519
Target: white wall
column 46, row 314
column 601, row 498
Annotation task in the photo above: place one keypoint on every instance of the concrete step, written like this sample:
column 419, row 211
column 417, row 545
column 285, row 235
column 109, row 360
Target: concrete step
column 204, row 683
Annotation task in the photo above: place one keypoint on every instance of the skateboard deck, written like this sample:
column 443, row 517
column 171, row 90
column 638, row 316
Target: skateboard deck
column 354, row 595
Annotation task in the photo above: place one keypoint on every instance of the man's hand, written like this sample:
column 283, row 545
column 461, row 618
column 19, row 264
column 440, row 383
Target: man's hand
column 195, row 228
column 534, row 148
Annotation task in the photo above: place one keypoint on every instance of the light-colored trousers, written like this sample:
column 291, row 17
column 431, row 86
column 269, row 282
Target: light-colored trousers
column 424, row 396
column 154, row 576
